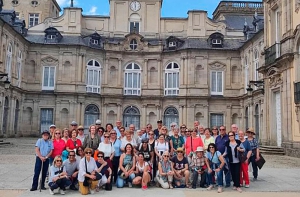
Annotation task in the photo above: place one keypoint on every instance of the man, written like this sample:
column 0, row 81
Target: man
column 201, row 132
column 72, row 170
column 139, row 137
column 157, row 131
column 43, row 150
column 148, row 129
column 196, row 124
column 220, row 143
column 199, row 167
column 235, row 129
column 181, row 169
column 98, row 124
column 73, row 126
column 52, row 129
column 117, row 128
column 80, row 135
column 132, row 130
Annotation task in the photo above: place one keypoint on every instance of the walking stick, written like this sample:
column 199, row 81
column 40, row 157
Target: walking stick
column 41, row 176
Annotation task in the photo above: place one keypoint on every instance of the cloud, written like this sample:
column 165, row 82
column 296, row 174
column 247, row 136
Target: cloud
column 63, row 3
column 93, row 10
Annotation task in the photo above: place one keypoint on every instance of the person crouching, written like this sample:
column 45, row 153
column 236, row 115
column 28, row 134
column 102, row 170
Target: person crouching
column 198, row 167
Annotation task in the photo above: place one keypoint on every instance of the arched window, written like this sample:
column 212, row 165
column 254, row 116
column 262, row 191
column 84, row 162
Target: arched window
column 256, row 118
column 91, row 114
column 5, row 115
column 19, row 68
column 131, row 116
column 256, row 65
column 171, row 115
column 8, row 60
column 132, row 79
column 133, row 44
column 246, row 67
column 93, row 77
column 16, row 116
column 172, row 79
column 246, row 119
column 134, row 23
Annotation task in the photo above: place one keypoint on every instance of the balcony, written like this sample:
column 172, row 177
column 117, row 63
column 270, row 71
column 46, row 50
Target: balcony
column 272, row 53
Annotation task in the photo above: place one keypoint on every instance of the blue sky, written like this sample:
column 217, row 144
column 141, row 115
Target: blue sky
column 171, row 8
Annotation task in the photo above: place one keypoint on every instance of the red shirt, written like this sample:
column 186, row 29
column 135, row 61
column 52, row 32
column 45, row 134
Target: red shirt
column 59, row 147
column 73, row 144
column 196, row 142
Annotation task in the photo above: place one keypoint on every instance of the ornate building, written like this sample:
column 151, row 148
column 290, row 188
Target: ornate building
column 138, row 67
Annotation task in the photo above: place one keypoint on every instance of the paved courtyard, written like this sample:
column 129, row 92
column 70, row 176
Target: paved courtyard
column 279, row 177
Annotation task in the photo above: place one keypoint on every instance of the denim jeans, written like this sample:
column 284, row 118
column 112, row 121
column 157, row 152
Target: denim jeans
column 227, row 173
column 219, row 177
column 121, row 182
column 37, row 170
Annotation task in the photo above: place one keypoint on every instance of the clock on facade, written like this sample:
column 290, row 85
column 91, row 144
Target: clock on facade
column 135, row 6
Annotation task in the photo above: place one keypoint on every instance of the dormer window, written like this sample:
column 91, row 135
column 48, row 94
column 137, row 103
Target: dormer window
column 172, row 44
column 52, row 35
column 133, row 44
column 34, row 3
column 216, row 40
column 93, row 41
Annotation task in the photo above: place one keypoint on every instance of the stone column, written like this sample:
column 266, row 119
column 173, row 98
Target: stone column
column 145, row 73
column 79, row 67
column 106, row 70
column 36, row 116
column 227, row 74
column 182, row 73
column 160, row 73
column 144, row 116
column 119, row 112
column 104, row 113
column 120, row 72
column 83, row 65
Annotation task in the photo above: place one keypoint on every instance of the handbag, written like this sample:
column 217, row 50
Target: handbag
column 108, row 186
column 242, row 157
column 86, row 179
column 260, row 163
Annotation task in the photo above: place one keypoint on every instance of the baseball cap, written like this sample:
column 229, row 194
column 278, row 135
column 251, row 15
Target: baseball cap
column 74, row 123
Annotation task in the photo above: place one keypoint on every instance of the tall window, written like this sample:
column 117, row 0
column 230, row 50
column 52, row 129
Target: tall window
column 19, row 68
column 131, row 116
column 216, row 120
column 5, row 116
column 91, row 114
column 93, row 77
column 171, row 115
column 33, row 19
column 8, row 60
column 132, row 79
column 256, row 64
column 49, row 78
column 172, row 79
column 216, row 83
column 46, row 118
column 246, row 119
column 246, row 74
column 134, row 23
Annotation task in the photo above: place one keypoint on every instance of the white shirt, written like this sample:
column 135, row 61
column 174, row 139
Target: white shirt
column 124, row 142
column 141, row 168
column 107, row 149
column 162, row 147
column 91, row 166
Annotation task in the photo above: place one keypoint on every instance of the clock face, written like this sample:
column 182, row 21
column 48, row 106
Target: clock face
column 135, row 6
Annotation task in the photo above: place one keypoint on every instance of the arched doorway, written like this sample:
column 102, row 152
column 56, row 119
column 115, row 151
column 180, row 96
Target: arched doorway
column 131, row 115
column 91, row 114
column 171, row 115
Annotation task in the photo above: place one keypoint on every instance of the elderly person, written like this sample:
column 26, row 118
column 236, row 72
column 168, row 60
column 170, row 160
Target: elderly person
column 74, row 126
column 208, row 138
column 235, row 130
column 215, row 132
column 122, row 133
column 138, row 138
column 165, row 172
column 148, row 129
column 128, row 139
column 80, row 135
column 215, row 163
column 87, row 170
column 58, row 177
column 246, row 151
column 65, row 135
column 255, row 151
column 107, row 148
column 198, row 167
column 164, row 131
column 117, row 147
column 105, row 170
column 118, row 127
column 73, row 142
column 181, row 169
column 177, row 140
column 173, row 127
column 142, row 172
column 43, row 150
column 126, row 167
column 192, row 143
column 59, row 145
column 92, row 140
column 72, row 169
column 201, row 132
column 182, row 131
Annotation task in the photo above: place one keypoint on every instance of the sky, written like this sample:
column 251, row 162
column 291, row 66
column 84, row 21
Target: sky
column 170, row 8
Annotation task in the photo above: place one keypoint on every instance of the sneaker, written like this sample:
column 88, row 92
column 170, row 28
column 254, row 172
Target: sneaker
column 220, row 189
column 92, row 191
column 234, row 188
column 144, row 187
column 129, row 184
column 62, row 192
column 239, row 189
column 247, row 186
column 51, row 192
column 210, row 187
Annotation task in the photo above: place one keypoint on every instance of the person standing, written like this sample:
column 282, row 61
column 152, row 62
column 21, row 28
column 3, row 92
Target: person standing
column 159, row 126
column 43, row 150
column 247, row 151
column 255, row 152
column 80, row 135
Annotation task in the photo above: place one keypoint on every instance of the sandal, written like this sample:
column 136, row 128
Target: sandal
column 171, row 186
column 188, row 186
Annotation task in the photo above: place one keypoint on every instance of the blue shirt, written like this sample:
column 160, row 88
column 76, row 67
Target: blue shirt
column 220, row 143
column 117, row 146
column 118, row 132
column 246, row 145
column 213, row 157
column 45, row 146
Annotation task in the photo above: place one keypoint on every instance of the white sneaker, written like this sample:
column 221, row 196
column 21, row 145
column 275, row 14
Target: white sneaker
column 51, row 192
column 210, row 187
column 92, row 191
column 62, row 192
column 129, row 184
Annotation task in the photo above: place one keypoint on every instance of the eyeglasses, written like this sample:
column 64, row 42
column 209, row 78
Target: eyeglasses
column 151, row 134
column 173, row 126
column 100, row 156
column 58, row 160
column 106, row 136
column 80, row 129
column 230, row 135
column 179, row 152
column 166, row 156
column 57, row 133
column 112, row 133
column 88, row 153
column 71, row 155
column 222, row 129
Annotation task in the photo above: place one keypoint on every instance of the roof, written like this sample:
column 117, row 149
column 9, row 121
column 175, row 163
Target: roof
column 237, row 22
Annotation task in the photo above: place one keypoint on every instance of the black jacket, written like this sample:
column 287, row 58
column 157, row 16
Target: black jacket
column 229, row 152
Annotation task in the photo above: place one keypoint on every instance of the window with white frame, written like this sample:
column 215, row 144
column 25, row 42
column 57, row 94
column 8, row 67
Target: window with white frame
column 172, row 79
column 133, row 44
column 216, row 120
column 172, row 44
column 134, row 23
column 132, row 80
column 256, row 65
column 216, row 83
column 33, row 19
column 49, row 78
column 19, row 68
column 93, row 77
column 246, row 74
column 8, row 60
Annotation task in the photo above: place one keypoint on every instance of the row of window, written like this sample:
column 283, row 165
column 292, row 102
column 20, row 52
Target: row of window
column 256, row 66
column 132, row 79
column 9, row 54
column 33, row 19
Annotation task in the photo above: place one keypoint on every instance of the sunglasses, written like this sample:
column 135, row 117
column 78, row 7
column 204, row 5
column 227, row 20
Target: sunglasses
column 112, row 133
column 230, row 135
column 179, row 152
column 57, row 133
column 222, row 129
column 211, row 147
column 88, row 153
column 100, row 156
column 151, row 134
column 71, row 155
column 80, row 129
column 106, row 136
column 58, row 160
column 166, row 156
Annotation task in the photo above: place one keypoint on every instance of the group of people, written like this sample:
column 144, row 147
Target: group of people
column 175, row 158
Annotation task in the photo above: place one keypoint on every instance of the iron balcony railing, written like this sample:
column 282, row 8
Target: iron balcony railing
column 272, row 53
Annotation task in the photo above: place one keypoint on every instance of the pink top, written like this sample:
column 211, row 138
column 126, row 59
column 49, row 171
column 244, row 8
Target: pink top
column 196, row 142
column 59, row 147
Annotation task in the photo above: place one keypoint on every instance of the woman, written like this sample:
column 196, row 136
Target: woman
column 116, row 159
column 245, row 154
column 208, row 139
column 73, row 142
column 126, row 167
column 142, row 172
column 161, row 146
column 215, row 162
column 232, row 146
column 147, row 151
column 107, row 148
column 105, row 170
column 79, row 154
column 255, row 151
column 109, row 127
column 122, row 132
column 128, row 140
column 215, row 132
column 65, row 135
column 192, row 143
column 59, row 145
column 173, row 126
column 87, row 170
column 178, row 141
column 151, row 142
column 58, row 177
column 164, row 131
column 165, row 172
column 100, row 133
column 92, row 140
